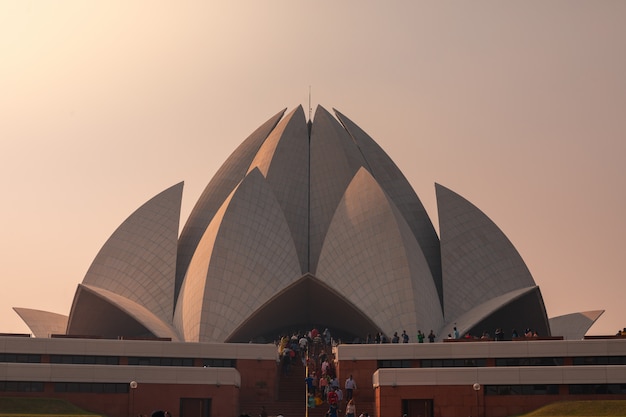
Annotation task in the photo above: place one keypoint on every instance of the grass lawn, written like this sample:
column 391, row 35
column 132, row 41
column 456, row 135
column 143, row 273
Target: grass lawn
column 598, row 408
column 36, row 407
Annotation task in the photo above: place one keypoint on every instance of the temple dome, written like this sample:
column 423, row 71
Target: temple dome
column 307, row 223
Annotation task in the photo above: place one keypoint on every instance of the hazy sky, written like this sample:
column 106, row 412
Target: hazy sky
column 520, row 107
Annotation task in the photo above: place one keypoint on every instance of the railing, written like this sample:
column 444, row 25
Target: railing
column 515, row 339
column 615, row 336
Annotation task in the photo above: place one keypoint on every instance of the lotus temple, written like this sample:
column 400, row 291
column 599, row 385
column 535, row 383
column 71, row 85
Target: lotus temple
column 309, row 225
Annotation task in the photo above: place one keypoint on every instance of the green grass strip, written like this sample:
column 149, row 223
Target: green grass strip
column 595, row 408
column 36, row 407
column 45, row 414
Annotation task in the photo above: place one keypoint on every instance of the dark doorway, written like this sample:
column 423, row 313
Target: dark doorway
column 195, row 407
column 345, row 320
column 417, row 408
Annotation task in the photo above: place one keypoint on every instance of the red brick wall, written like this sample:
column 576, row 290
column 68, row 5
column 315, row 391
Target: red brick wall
column 447, row 401
column 148, row 397
column 362, row 372
column 255, row 374
column 457, row 400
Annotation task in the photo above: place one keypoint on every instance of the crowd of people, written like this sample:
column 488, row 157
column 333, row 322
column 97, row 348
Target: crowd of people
column 310, row 349
column 307, row 348
column 158, row 413
column 421, row 337
column 498, row 335
column 290, row 348
column 402, row 338
column 313, row 349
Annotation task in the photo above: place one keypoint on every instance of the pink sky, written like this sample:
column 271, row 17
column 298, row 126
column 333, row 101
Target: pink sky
column 520, row 107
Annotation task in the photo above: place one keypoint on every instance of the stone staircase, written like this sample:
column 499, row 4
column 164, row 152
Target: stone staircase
column 290, row 398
